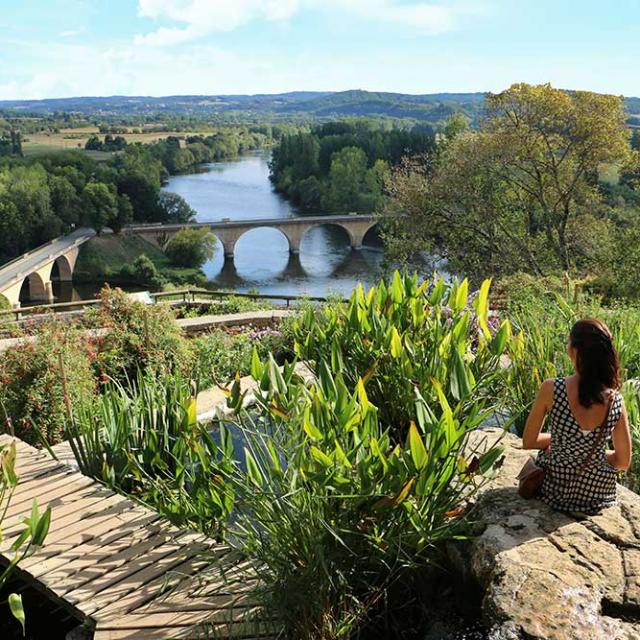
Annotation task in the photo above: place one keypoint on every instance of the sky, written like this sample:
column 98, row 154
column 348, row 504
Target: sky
column 63, row 48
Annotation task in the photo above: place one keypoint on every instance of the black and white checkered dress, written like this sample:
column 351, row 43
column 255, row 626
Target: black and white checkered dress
column 565, row 486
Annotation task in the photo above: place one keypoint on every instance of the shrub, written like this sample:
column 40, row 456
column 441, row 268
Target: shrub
column 221, row 355
column 4, row 303
column 143, row 271
column 332, row 511
column 191, row 247
column 146, row 441
column 138, row 337
column 400, row 338
column 32, row 394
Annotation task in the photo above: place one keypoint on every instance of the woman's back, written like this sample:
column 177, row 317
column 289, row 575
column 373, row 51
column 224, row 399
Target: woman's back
column 578, row 476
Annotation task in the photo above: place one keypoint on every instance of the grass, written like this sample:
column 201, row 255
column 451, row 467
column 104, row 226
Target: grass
column 102, row 258
column 75, row 139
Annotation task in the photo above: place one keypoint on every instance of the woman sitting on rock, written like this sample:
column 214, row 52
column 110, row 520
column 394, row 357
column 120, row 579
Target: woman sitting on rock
column 585, row 412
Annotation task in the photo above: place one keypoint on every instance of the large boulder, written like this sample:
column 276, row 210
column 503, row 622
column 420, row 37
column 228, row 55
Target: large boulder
column 547, row 575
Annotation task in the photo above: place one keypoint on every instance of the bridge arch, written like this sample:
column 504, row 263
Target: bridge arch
column 33, row 289
column 230, row 243
column 349, row 235
column 372, row 231
column 61, row 269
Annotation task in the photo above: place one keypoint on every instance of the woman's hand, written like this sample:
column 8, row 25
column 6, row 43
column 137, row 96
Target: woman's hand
column 532, row 438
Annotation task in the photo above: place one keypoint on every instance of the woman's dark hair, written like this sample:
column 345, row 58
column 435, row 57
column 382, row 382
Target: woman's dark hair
column 596, row 360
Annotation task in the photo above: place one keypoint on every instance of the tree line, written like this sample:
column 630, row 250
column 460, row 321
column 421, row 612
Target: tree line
column 548, row 184
column 341, row 166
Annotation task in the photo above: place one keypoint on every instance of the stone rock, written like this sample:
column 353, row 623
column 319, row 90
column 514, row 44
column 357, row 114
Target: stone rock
column 547, row 575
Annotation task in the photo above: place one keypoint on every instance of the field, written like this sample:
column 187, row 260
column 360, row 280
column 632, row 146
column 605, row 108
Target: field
column 74, row 139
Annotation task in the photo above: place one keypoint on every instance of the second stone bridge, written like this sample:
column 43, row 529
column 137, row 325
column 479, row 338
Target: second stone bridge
column 229, row 232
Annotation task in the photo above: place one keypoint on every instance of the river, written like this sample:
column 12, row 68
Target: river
column 240, row 189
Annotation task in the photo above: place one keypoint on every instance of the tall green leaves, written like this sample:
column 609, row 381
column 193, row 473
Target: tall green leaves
column 351, row 481
column 145, row 439
column 402, row 337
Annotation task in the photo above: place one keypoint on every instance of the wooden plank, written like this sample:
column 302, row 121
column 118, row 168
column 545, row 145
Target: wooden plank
column 95, row 550
column 49, row 494
column 88, row 576
column 133, row 575
column 70, row 510
column 160, row 583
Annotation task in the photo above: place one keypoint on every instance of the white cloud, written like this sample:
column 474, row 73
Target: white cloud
column 203, row 17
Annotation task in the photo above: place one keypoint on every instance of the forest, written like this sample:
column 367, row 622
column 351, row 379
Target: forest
column 42, row 197
column 341, row 166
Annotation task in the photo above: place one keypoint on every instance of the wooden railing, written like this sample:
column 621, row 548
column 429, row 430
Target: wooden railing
column 184, row 295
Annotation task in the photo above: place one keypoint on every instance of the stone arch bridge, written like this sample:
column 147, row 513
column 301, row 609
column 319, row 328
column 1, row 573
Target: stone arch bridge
column 31, row 275
column 356, row 227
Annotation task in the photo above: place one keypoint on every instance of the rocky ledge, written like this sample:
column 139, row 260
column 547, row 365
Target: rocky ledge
column 550, row 576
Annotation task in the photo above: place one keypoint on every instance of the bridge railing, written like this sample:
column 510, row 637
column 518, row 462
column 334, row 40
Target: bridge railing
column 176, row 295
column 28, row 253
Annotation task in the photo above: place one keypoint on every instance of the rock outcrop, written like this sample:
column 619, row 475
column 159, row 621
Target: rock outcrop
column 546, row 575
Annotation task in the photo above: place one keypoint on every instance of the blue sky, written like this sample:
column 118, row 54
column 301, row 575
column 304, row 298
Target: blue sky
column 57, row 48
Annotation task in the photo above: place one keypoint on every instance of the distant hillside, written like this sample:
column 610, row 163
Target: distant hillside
column 431, row 108
column 304, row 104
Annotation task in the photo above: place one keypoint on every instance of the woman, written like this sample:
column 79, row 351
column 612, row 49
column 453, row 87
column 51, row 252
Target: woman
column 585, row 412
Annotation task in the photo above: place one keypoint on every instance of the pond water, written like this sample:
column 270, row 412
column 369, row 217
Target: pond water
column 240, row 190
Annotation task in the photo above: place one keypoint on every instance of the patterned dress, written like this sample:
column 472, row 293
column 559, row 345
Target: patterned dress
column 566, row 487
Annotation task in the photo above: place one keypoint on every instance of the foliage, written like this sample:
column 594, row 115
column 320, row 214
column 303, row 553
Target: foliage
column 146, row 441
column 406, row 338
column 32, row 390
column 111, row 259
column 175, row 208
column 191, row 247
column 137, row 338
column 142, row 271
column 100, row 205
column 332, row 512
column 34, row 533
column 4, row 303
column 44, row 197
column 340, row 166
column 222, row 355
column 521, row 193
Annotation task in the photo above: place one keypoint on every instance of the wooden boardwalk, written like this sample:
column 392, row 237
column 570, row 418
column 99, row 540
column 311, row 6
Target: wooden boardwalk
column 121, row 567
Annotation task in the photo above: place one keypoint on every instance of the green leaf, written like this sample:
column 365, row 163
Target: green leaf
column 396, row 343
column 481, row 307
column 418, row 451
column 499, row 341
column 321, row 457
column 15, row 604
column 257, row 369
column 42, row 528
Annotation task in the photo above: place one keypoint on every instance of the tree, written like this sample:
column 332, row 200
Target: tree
column 346, row 180
column 174, row 208
column 99, row 205
column 124, row 215
column 517, row 193
column 191, row 247
column 635, row 140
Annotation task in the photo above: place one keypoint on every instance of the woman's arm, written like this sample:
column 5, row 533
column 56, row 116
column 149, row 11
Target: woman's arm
column 620, row 457
column 532, row 438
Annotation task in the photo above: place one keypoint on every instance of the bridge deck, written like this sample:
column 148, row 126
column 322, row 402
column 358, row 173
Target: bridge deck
column 120, row 566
